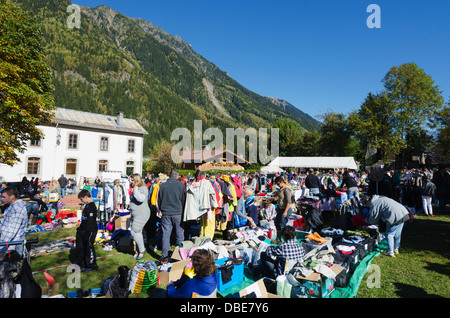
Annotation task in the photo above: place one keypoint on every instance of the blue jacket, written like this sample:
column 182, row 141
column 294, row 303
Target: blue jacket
column 185, row 286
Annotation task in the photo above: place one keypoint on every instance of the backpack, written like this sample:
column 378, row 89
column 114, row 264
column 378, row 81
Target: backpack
column 117, row 285
column 122, row 240
column 115, row 290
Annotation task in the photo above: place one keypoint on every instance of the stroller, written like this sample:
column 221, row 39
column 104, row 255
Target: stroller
column 16, row 278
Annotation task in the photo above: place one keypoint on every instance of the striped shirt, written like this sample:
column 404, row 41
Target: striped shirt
column 15, row 223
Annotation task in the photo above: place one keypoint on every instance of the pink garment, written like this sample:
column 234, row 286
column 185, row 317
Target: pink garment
column 185, row 254
column 238, row 186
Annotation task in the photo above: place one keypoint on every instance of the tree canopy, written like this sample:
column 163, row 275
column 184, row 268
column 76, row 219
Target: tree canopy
column 25, row 82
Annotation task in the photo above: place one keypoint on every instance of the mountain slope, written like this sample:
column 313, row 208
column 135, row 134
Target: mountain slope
column 113, row 62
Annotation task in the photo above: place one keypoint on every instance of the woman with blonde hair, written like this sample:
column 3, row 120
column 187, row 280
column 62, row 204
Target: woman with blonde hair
column 140, row 212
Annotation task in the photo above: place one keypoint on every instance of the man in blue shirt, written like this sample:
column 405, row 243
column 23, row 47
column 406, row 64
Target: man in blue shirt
column 15, row 220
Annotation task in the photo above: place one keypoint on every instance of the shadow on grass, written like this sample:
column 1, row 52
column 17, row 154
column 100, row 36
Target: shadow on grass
column 408, row 291
column 427, row 234
column 439, row 268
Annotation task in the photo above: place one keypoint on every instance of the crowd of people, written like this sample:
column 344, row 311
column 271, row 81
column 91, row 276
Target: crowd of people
column 417, row 188
column 386, row 193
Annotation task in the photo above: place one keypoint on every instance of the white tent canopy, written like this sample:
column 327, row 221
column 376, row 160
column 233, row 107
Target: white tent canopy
column 315, row 162
column 271, row 169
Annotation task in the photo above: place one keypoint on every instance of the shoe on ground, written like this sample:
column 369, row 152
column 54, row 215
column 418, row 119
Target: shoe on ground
column 88, row 269
column 140, row 255
column 391, row 254
column 396, row 251
column 163, row 260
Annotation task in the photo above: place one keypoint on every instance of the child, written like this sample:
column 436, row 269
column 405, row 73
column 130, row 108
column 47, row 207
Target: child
column 86, row 233
column 268, row 211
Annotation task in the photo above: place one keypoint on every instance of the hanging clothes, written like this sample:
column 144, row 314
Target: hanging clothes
column 219, row 195
column 200, row 199
column 237, row 184
column 222, row 217
column 119, row 194
column 154, row 195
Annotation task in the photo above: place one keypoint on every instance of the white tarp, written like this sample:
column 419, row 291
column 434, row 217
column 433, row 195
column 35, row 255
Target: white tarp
column 315, row 162
column 271, row 169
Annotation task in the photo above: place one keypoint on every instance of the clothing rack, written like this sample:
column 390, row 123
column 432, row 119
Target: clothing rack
column 106, row 209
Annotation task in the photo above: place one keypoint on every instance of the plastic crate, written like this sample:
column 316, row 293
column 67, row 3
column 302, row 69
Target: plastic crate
column 365, row 248
column 374, row 240
column 344, row 276
column 353, row 259
column 237, row 276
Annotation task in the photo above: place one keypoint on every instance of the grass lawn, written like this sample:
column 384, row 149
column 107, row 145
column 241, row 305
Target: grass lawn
column 421, row 270
column 107, row 261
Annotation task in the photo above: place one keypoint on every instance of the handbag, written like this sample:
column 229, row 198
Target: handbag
column 145, row 274
column 240, row 221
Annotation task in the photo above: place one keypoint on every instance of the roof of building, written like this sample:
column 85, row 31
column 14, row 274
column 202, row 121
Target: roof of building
column 71, row 117
column 209, row 155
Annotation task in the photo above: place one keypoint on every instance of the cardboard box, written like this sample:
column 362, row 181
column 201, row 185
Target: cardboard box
column 122, row 222
column 175, row 273
column 176, row 254
column 50, row 291
column 320, row 286
column 260, row 290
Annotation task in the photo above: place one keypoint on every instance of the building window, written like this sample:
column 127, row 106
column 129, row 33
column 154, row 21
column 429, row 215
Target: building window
column 102, row 165
column 131, row 143
column 35, row 142
column 129, row 168
column 33, row 165
column 71, row 166
column 73, row 141
column 103, row 143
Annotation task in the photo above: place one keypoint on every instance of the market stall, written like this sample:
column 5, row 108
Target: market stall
column 315, row 162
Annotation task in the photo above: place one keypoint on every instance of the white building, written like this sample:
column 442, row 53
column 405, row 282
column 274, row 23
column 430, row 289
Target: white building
column 81, row 144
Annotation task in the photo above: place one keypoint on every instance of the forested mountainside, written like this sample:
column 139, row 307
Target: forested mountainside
column 116, row 63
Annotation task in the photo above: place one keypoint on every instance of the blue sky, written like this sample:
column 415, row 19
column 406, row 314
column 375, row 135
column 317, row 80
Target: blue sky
column 319, row 55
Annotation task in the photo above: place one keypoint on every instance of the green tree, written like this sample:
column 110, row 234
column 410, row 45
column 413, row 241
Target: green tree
column 442, row 143
column 290, row 134
column 160, row 160
column 374, row 126
column 25, row 82
column 336, row 136
column 310, row 144
column 414, row 97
